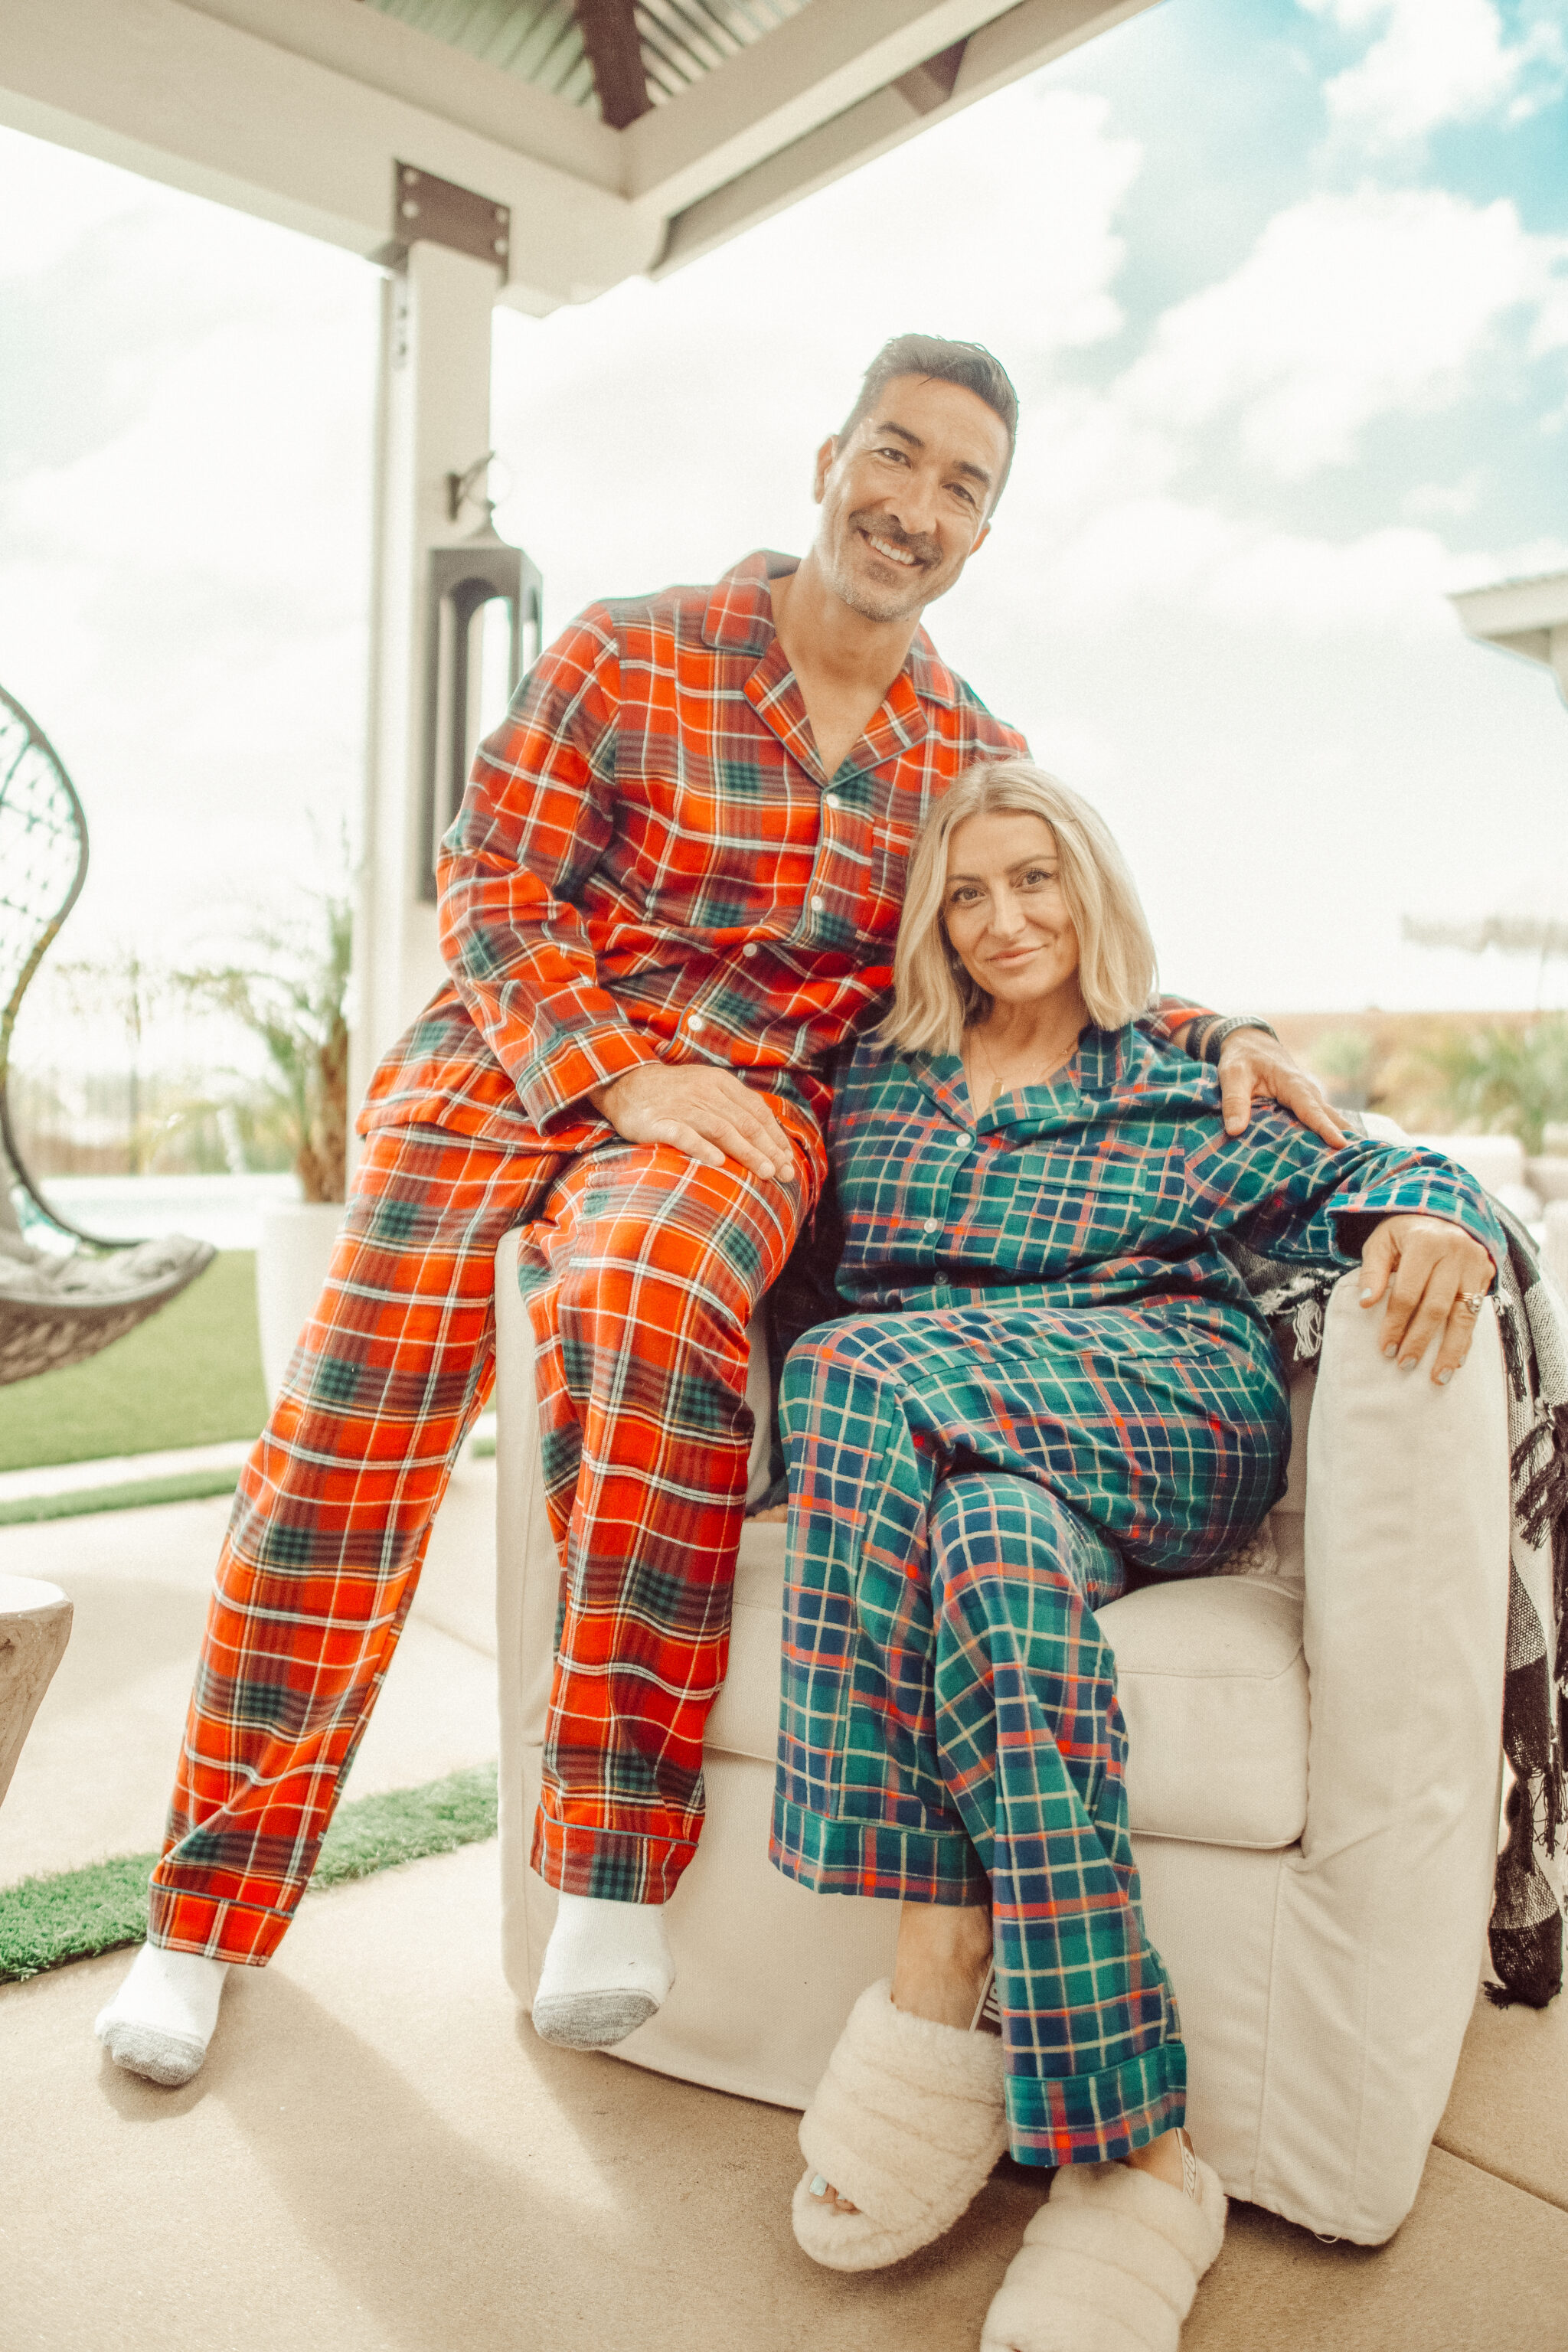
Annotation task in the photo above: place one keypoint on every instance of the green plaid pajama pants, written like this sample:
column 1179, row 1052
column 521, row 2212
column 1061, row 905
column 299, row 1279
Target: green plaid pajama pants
column 968, row 1485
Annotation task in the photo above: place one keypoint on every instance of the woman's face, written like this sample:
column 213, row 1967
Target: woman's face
column 1004, row 908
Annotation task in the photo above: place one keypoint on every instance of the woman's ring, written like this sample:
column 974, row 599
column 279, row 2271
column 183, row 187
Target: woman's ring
column 1474, row 1299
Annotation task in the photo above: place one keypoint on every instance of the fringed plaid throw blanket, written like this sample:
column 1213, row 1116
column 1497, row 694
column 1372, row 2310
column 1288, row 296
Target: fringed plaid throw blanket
column 1527, row 1907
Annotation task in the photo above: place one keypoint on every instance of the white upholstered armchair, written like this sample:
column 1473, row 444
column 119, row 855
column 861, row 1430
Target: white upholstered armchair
column 1313, row 1774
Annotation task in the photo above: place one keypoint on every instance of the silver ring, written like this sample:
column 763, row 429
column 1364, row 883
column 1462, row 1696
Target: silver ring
column 1474, row 1299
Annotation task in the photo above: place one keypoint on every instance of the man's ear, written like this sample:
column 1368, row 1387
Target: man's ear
column 824, row 457
column 981, row 536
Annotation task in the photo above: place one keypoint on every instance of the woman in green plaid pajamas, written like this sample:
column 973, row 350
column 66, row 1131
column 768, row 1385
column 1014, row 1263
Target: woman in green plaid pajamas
column 1051, row 1374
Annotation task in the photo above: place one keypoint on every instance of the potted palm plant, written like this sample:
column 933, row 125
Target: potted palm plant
column 292, row 996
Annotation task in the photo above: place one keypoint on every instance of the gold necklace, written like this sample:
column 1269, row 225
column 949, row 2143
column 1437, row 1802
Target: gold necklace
column 1000, row 1086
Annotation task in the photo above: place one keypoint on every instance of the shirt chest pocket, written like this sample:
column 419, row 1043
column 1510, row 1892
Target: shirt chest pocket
column 1064, row 1208
column 892, row 838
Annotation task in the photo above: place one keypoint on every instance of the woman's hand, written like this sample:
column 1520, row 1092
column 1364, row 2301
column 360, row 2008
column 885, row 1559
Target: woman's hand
column 1427, row 1267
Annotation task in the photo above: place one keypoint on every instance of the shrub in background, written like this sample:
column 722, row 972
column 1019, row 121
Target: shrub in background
column 292, row 996
column 1513, row 1081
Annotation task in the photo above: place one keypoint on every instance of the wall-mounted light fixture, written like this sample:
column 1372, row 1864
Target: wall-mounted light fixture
column 465, row 581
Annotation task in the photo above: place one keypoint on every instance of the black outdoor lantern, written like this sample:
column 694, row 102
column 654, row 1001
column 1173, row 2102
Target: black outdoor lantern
column 463, row 581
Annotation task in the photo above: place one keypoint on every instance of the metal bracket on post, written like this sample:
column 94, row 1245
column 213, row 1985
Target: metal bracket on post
column 440, row 213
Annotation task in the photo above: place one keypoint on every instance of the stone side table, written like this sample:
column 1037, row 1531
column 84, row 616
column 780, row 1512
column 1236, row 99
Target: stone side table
column 35, row 1626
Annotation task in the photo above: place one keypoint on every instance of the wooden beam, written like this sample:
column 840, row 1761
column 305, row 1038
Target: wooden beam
column 1015, row 41
column 811, row 69
column 931, row 85
column 609, row 30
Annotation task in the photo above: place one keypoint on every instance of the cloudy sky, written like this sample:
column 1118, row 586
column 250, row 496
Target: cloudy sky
column 1284, row 287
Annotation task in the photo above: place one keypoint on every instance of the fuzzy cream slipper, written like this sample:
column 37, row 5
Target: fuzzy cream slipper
column 1110, row 2264
column 908, row 2124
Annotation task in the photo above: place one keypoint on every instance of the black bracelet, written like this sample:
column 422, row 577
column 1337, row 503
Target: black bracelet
column 1213, row 1033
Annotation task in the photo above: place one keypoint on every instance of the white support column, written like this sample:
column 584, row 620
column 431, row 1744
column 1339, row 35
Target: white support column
column 434, row 420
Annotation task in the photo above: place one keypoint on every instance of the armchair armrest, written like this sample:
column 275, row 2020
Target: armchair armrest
column 1384, row 1911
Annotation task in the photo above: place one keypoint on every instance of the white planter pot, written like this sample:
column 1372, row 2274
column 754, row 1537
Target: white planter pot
column 291, row 1261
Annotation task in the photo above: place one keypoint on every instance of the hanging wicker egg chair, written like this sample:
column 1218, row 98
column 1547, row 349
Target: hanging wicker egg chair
column 56, row 1305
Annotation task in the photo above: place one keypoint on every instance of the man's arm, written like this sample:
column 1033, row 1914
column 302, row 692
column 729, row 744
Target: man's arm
column 1253, row 1065
column 537, row 817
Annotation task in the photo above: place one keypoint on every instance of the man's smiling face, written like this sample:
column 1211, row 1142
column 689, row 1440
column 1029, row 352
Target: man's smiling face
column 905, row 497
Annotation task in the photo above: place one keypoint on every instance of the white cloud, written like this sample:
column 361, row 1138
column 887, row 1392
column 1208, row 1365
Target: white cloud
column 183, row 585
column 50, row 198
column 1159, row 551
column 1444, row 501
column 1348, row 308
column 1437, row 61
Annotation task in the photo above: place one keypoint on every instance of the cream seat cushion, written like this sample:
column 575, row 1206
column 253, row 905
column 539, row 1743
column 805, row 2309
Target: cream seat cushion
column 1213, row 1681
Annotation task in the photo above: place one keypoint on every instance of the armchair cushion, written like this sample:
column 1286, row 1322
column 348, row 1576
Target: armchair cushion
column 1212, row 1677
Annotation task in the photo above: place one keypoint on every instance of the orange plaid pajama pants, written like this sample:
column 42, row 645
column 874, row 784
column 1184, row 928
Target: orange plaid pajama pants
column 643, row 1270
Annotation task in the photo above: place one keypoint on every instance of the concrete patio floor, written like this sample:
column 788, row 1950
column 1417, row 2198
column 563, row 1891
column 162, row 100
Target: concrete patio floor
column 93, row 1779
column 379, row 2156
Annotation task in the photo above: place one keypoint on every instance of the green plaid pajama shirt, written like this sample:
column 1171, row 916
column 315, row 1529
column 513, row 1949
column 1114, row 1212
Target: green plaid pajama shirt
column 1060, row 1377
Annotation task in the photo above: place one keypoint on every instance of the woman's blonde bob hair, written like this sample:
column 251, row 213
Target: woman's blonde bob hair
column 934, row 999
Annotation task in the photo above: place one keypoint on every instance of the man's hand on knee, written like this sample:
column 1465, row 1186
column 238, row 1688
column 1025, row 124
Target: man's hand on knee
column 705, row 1113
column 1254, row 1068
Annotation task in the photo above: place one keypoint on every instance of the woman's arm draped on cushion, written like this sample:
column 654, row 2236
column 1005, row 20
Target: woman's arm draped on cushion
column 1286, row 1197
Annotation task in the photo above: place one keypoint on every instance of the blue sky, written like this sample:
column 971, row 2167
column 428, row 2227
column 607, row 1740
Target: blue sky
column 1284, row 285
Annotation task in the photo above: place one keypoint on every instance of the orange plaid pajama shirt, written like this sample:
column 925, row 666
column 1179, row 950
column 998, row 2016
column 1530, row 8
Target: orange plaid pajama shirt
column 649, row 864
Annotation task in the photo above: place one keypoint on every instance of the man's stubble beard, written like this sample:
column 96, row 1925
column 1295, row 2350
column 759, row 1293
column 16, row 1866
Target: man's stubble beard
column 883, row 606
column 887, row 607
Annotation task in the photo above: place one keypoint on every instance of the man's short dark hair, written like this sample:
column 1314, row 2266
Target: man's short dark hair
column 969, row 365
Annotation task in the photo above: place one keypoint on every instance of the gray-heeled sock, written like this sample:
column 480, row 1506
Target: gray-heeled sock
column 608, row 1969
column 161, row 2021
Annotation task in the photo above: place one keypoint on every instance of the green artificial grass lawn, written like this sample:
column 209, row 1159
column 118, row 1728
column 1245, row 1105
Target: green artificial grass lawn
column 182, row 1487
column 190, row 1375
column 45, row 1922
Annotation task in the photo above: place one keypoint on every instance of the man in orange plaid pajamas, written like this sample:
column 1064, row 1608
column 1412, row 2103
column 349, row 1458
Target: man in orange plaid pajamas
column 669, row 896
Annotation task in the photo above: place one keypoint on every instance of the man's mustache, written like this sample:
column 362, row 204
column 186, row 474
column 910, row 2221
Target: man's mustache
column 922, row 547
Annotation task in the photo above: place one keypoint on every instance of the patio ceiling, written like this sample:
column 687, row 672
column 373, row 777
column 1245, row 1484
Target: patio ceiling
column 653, row 48
column 622, row 135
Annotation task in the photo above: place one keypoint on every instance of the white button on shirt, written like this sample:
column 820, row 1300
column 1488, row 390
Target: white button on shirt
column 930, row 1225
column 818, row 905
column 750, row 948
column 694, row 1020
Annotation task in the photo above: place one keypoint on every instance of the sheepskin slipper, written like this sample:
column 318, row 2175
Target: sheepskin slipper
column 908, row 2124
column 1110, row 2264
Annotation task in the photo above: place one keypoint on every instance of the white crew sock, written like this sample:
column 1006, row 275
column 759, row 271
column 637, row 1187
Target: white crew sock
column 608, row 1969
column 162, row 2019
